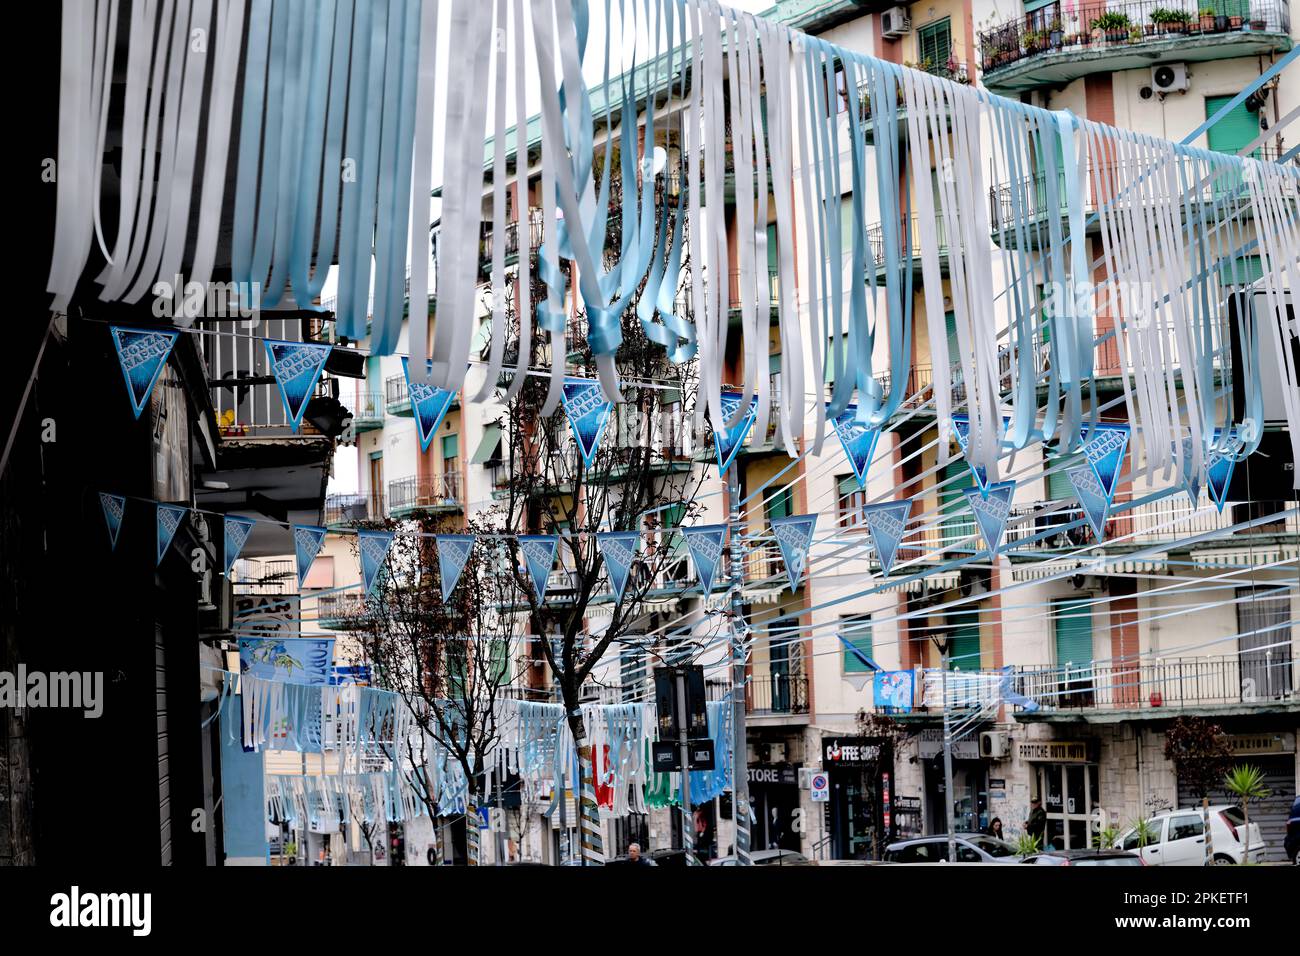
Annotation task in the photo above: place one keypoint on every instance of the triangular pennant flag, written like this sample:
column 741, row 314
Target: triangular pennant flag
column 306, row 543
column 429, row 404
column 1105, row 444
column 372, row 548
column 169, row 519
column 857, row 652
column 619, row 551
column 1218, row 470
column 1191, row 480
column 991, row 512
column 235, row 532
column 705, row 544
column 887, row 523
column 727, row 441
column 539, row 555
column 961, row 429
column 859, row 442
column 296, row 367
column 453, row 552
column 142, row 354
column 794, row 535
column 588, row 412
column 114, row 508
column 1092, row 497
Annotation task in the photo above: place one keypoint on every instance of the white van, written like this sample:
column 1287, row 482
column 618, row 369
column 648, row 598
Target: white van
column 1177, row 838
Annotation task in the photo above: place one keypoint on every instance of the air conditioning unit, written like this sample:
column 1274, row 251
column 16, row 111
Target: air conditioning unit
column 995, row 744
column 1087, row 582
column 1170, row 78
column 895, row 23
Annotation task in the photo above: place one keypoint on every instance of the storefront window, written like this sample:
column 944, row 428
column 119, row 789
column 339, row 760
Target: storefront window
column 1069, row 792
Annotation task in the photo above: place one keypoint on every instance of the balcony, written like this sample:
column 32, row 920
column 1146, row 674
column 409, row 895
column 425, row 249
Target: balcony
column 952, row 70
column 345, row 511
column 1060, row 43
column 735, row 298
column 536, row 236
column 340, row 612
column 1157, row 687
column 909, row 244
column 437, row 495
column 775, row 695
column 397, row 399
column 367, row 411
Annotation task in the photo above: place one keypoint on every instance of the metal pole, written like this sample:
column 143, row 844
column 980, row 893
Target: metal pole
column 500, row 821
column 739, row 742
column 947, row 762
column 684, row 756
column 564, row 819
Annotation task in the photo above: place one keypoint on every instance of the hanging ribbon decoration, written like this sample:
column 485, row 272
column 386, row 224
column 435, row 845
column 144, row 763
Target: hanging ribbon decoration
column 169, row 520
column 296, row 367
column 794, row 534
column 705, row 545
column 453, row 553
column 372, row 550
column 887, row 523
column 306, row 544
column 114, row 507
column 235, row 532
column 142, row 353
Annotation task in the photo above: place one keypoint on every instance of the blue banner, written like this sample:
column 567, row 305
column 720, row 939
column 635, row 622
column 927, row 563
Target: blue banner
column 1191, row 480
column 894, row 691
column 296, row 367
column 727, row 441
column 539, row 555
column 372, row 549
column 1009, row 694
column 142, row 353
column 887, row 523
column 619, row 551
column 588, row 413
column 794, row 534
column 705, row 544
column 297, row 660
column 453, row 552
column 991, row 512
column 1219, row 468
column 1104, row 444
column 235, row 532
column 114, row 508
column 169, row 519
column 429, row 404
column 306, row 543
column 1092, row 497
column 961, row 428
column 858, row 440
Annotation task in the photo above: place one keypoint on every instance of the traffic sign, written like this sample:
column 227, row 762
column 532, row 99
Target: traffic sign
column 821, row 788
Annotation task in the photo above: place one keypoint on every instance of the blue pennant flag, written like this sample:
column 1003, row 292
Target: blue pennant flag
column 991, row 512
column 142, row 354
column 894, row 691
column 1191, row 480
column 169, row 519
column 1104, row 444
column 429, row 404
column 539, row 555
column 887, row 523
column 453, row 553
column 588, row 412
column 727, row 441
column 306, row 543
column 114, row 508
column 705, row 544
column 1092, row 497
column 619, row 551
column 296, row 367
column 1027, row 704
column 1219, row 468
column 372, row 549
column 857, row 652
column 794, row 534
column 961, row 428
column 859, row 442
column 235, row 531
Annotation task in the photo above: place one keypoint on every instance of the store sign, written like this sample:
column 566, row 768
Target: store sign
column 773, row 774
column 931, row 745
column 1056, row 751
column 850, row 751
column 1248, row 745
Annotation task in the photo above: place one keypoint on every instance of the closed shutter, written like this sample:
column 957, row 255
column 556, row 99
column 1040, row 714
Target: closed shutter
column 964, row 651
column 779, row 505
column 958, row 522
column 1073, row 624
column 1262, row 623
column 1058, row 481
column 1270, row 813
column 1234, row 131
column 856, row 630
column 934, row 44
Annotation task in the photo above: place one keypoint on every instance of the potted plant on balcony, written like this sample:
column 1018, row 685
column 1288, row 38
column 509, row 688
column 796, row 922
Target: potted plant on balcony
column 1113, row 25
column 1055, row 35
column 1258, row 24
column 1170, row 21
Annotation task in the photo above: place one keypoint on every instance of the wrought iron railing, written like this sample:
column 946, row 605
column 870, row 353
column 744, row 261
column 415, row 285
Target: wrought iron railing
column 395, row 391
column 347, row 509
column 776, row 693
column 443, row 491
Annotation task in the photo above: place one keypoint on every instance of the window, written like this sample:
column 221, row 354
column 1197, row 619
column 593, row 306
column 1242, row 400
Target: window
column 968, row 854
column 849, row 501
column 780, row 505
column 1059, row 487
column 964, row 640
column 856, row 630
column 934, row 44
column 500, row 662
column 1186, row 826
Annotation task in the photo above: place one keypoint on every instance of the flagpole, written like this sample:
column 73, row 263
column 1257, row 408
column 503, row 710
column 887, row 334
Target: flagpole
column 739, row 743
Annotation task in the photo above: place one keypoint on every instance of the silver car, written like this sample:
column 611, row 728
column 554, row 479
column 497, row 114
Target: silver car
column 971, row 848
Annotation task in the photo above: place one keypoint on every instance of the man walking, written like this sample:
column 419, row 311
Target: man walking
column 1036, row 825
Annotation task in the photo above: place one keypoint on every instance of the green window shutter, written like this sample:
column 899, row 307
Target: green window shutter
column 1032, row 5
column 1241, row 271
column 1058, row 482
column 489, row 449
column 958, row 522
column 450, row 446
column 954, row 353
column 857, row 631
column 1234, row 131
column 672, row 517
column 500, row 661
column 780, row 505
column 964, row 651
column 828, row 358
column 1073, row 625
column 934, row 43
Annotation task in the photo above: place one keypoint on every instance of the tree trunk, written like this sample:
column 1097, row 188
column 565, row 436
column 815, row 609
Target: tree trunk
column 593, row 850
column 471, row 829
column 1245, row 810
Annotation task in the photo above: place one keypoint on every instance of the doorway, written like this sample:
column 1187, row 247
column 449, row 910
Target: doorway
column 1069, row 793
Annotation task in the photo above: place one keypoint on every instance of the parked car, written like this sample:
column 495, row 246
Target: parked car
column 971, row 848
column 1292, row 844
column 767, row 858
column 1084, row 858
column 1178, row 838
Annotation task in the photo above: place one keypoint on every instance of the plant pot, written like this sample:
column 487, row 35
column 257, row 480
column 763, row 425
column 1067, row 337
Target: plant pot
column 1119, row 36
column 1149, row 29
column 1220, row 24
column 1234, row 23
column 1257, row 25
column 1207, row 24
column 1055, row 38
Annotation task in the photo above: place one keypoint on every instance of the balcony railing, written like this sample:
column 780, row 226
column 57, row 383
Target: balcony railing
column 734, row 297
column 1251, row 677
column 1100, row 24
column 773, row 694
column 334, row 609
column 396, row 397
column 349, row 509
column 433, row 494
column 912, row 241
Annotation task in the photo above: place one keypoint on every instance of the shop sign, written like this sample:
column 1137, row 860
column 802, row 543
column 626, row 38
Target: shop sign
column 931, row 744
column 1056, row 751
column 1248, row 745
column 773, row 774
column 850, row 751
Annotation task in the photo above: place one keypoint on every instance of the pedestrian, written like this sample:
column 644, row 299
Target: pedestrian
column 634, row 856
column 1292, row 843
column 1036, row 825
column 994, row 828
